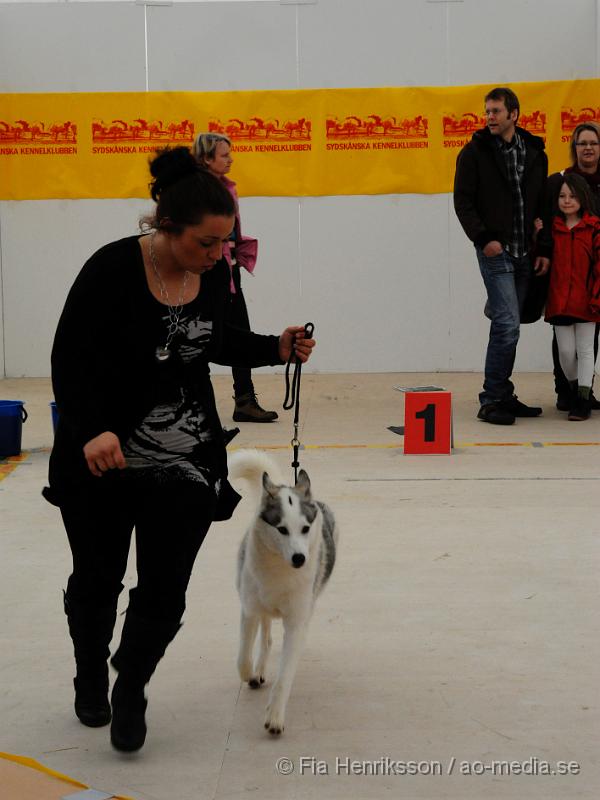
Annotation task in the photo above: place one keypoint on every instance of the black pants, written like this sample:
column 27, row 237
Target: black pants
column 561, row 384
column 238, row 316
column 170, row 526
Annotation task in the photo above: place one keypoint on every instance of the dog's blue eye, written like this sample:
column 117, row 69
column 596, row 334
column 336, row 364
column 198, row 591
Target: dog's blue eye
column 283, row 531
column 305, row 529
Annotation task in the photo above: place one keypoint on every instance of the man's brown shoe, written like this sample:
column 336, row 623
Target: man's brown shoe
column 248, row 410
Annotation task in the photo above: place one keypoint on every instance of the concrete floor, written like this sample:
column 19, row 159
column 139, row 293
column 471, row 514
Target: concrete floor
column 459, row 627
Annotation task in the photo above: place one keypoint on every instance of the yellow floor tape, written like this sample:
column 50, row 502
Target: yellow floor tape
column 9, row 464
column 397, row 446
column 41, row 783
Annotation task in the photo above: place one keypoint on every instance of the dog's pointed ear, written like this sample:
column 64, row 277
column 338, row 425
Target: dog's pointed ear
column 303, row 484
column 268, row 485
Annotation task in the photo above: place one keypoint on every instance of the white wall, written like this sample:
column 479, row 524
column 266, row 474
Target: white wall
column 390, row 282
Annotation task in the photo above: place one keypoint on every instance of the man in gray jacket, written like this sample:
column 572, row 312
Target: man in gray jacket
column 499, row 191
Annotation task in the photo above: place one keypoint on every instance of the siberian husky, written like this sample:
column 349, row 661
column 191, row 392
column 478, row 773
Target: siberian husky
column 285, row 559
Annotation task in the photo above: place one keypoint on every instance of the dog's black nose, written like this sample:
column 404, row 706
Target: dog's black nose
column 298, row 559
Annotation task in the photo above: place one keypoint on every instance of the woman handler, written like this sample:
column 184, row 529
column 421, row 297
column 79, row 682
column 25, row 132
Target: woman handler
column 139, row 443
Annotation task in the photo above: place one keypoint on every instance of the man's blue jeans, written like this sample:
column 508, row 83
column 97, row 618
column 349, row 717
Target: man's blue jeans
column 506, row 279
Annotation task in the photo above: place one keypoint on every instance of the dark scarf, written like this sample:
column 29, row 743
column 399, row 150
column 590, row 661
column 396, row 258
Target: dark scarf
column 593, row 178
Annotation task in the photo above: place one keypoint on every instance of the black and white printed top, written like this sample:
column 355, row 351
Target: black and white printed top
column 106, row 377
column 175, row 440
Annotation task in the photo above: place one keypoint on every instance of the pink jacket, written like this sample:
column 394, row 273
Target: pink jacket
column 246, row 248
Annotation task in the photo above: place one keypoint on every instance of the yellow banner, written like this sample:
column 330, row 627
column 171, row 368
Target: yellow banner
column 285, row 143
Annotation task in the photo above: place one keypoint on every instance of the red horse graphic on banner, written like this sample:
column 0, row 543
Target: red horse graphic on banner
column 469, row 122
column 375, row 126
column 258, row 129
column 570, row 119
column 23, row 132
column 534, row 121
column 141, row 130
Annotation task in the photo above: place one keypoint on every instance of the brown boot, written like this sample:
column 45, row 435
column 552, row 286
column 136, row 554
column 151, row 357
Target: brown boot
column 248, row 410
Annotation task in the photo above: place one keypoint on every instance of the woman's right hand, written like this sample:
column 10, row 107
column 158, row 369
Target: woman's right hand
column 104, row 452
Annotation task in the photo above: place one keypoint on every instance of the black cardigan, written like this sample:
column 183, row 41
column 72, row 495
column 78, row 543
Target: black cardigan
column 103, row 366
column 483, row 198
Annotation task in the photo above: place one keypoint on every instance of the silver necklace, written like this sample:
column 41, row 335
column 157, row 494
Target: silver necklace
column 174, row 312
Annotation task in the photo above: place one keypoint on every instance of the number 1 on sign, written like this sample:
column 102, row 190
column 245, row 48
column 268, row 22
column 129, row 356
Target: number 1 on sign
column 428, row 415
column 427, row 422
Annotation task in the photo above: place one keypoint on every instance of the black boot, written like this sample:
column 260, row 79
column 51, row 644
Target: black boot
column 563, row 400
column 581, row 405
column 143, row 644
column 562, row 387
column 91, row 630
column 91, row 700
column 229, row 434
column 128, row 727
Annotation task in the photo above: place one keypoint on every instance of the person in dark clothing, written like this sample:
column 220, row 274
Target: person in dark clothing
column 213, row 150
column 139, row 443
column 498, row 193
column 584, row 149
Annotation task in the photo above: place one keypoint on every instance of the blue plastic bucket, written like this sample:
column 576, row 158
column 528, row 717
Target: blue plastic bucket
column 12, row 417
column 54, row 411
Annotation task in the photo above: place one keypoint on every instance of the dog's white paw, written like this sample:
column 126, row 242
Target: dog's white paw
column 274, row 721
column 245, row 671
column 256, row 682
column 249, row 675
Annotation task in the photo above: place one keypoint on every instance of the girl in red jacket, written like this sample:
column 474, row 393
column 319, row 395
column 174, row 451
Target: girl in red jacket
column 573, row 304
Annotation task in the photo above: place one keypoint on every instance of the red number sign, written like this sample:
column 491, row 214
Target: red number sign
column 427, row 423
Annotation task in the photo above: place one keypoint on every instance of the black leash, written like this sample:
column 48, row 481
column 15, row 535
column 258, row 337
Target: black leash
column 293, row 397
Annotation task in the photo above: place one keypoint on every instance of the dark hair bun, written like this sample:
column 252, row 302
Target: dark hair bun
column 168, row 167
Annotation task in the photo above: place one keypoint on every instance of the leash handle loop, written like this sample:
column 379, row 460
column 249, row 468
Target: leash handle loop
column 292, row 396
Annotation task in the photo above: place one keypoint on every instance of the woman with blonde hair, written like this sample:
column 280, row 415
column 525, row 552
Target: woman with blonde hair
column 213, row 151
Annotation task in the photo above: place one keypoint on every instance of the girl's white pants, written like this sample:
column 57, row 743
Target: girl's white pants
column 576, row 351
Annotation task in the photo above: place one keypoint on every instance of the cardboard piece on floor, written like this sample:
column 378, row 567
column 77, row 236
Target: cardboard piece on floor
column 399, row 429
column 428, row 428
column 419, row 388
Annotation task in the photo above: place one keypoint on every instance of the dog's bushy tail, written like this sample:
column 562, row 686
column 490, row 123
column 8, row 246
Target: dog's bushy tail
column 250, row 465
